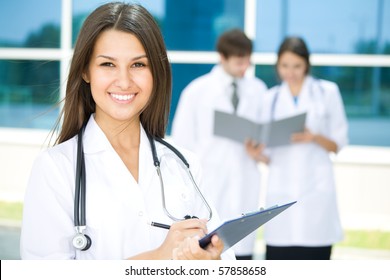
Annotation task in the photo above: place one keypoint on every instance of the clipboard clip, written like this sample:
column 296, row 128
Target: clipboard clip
column 261, row 209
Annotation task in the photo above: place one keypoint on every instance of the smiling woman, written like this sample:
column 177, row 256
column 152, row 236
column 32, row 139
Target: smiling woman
column 98, row 187
column 119, row 76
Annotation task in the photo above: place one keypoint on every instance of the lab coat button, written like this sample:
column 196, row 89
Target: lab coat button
column 140, row 213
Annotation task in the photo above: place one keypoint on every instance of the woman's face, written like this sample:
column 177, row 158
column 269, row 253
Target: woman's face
column 120, row 77
column 291, row 68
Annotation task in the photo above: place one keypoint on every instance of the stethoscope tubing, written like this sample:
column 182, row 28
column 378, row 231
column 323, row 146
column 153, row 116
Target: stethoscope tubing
column 80, row 190
column 185, row 162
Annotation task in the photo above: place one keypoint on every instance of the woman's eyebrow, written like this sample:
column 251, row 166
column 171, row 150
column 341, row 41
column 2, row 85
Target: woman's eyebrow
column 140, row 56
column 112, row 58
column 105, row 56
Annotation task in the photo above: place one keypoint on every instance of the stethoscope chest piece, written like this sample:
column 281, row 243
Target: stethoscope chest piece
column 82, row 242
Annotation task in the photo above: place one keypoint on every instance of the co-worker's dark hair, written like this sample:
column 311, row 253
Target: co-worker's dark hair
column 133, row 19
column 297, row 46
column 234, row 43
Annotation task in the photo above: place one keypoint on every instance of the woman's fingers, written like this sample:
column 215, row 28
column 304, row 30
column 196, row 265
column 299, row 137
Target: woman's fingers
column 191, row 227
column 255, row 150
column 189, row 249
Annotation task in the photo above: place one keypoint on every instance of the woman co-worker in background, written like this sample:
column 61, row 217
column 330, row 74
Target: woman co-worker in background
column 303, row 170
column 119, row 84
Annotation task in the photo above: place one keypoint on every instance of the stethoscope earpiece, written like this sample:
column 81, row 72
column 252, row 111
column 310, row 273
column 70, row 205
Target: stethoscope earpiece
column 82, row 242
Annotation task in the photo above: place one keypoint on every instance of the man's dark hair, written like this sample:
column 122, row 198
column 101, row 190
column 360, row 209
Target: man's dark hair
column 234, row 43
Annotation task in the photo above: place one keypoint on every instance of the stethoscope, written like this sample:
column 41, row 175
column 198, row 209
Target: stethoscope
column 82, row 241
column 311, row 92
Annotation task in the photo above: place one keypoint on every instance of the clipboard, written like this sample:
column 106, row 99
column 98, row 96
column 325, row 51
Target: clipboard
column 234, row 230
column 272, row 134
column 278, row 133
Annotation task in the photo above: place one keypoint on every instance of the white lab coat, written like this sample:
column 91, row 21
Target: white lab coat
column 231, row 177
column 304, row 172
column 118, row 208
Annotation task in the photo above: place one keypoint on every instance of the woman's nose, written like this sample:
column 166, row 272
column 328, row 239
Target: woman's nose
column 123, row 79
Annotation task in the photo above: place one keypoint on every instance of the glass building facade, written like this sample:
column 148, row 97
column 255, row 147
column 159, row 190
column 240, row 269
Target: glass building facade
column 349, row 42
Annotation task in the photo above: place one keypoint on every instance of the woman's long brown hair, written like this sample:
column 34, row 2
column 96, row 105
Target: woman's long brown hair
column 79, row 104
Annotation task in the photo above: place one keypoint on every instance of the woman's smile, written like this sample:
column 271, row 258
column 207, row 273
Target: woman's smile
column 122, row 98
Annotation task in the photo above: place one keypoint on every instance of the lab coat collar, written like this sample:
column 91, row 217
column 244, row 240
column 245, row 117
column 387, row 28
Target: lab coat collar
column 307, row 83
column 222, row 76
column 285, row 98
column 225, row 80
column 304, row 95
column 96, row 141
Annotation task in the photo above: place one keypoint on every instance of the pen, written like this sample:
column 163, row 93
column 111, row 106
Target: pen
column 155, row 224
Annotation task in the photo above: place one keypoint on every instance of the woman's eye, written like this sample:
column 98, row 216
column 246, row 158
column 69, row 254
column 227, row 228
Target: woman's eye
column 109, row 64
column 138, row 65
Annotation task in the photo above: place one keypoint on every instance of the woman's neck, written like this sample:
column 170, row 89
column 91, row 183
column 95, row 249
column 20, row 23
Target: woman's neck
column 125, row 138
column 295, row 88
column 123, row 134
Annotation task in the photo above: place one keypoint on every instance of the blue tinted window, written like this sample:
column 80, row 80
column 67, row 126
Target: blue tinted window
column 366, row 96
column 183, row 74
column 28, row 92
column 365, row 90
column 30, row 24
column 186, row 25
column 331, row 26
column 196, row 25
column 81, row 9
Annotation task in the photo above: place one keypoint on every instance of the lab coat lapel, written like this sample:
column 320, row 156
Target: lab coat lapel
column 222, row 94
column 146, row 170
column 95, row 141
column 284, row 106
column 304, row 96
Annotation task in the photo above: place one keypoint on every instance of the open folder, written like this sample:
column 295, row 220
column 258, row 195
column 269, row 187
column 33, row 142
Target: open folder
column 271, row 134
column 234, row 230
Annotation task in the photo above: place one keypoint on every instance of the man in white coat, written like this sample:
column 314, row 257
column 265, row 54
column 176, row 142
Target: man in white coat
column 231, row 173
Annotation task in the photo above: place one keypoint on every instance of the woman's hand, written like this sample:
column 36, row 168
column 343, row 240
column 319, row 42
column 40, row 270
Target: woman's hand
column 178, row 233
column 255, row 151
column 307, row 136
column 189, row 249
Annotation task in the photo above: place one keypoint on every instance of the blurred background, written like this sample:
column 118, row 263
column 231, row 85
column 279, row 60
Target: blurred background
column 350, row 44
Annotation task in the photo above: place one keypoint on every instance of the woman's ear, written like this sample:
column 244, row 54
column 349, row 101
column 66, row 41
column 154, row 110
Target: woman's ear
column 85, row 77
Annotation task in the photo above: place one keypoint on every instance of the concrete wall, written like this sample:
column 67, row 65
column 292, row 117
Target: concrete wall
column 362, row 176
column 18, row 149
column 363, row 184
